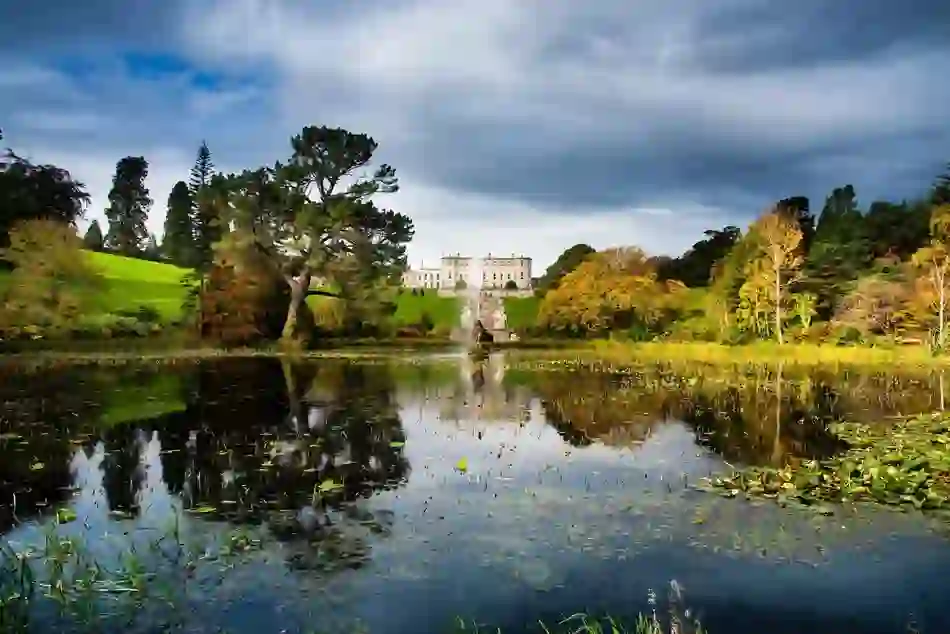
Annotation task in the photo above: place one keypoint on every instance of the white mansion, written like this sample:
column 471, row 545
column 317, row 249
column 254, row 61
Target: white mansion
column 457, row 271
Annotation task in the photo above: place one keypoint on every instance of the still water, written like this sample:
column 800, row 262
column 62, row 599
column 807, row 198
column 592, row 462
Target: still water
column 396, row 498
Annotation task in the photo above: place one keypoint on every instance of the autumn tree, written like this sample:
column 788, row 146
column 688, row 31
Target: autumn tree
column 933, row 263
column 728, row 276
column 244, row 298
column 29, row 191
column 92, row 240
column 315, row 216
column 179, row 240
column 878, row 304
column 129, row 204
column 51, row 279
column 777, row 267
column 798, row 209
column 564, row 264
column 616, row 288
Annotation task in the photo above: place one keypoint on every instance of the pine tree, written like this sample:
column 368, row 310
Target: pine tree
column 179, row 241
column 129, row 205
column 202, row 171
column 93, row 238
column 202, row 206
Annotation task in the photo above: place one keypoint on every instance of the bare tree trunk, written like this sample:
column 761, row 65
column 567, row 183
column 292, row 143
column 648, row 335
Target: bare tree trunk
column 298, row 293
column 778, row 304
column 942, row 309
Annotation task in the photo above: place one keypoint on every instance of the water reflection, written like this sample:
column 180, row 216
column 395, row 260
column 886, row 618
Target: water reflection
column 250, row 437
column 352, row 466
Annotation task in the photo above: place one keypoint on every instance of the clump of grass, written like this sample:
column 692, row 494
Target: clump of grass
column 148, row 582
column 678, row 620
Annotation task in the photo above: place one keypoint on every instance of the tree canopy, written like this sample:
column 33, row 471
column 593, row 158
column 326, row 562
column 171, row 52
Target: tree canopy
column 313, row 215
column 29, row 191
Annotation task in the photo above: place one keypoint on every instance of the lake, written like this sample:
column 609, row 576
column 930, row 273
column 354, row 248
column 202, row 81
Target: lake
column 407, row 496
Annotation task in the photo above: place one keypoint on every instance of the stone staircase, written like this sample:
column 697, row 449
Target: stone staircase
column 488, row 305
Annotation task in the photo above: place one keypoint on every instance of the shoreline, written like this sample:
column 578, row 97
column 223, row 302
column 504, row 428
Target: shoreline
column 598, row 355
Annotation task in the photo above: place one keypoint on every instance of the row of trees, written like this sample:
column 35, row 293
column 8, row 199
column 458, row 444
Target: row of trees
column 189, row 228
column 881, row 272
column 257, row 239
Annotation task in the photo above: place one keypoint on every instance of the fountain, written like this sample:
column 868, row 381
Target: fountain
column 481, row 318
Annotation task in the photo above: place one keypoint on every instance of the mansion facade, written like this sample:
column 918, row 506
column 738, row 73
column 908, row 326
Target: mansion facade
column 457, row 271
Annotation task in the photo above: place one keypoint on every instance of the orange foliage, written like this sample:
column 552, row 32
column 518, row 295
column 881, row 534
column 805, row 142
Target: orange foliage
column 237, row 294
column 607, row 288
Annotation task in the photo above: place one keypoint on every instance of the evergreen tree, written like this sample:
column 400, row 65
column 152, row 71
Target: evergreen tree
column 941, row 189
column 208, row 228
column 202, row 171
column 840, row 251
column 129, row 205
column 179, row 240
column 152, row 250
column 203, row 211
column 93, row 238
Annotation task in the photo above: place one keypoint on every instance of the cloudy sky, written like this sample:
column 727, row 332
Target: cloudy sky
column 515, row 125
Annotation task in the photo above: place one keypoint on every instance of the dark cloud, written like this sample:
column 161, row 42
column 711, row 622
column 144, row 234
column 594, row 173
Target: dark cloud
column 61, row 26
column 609, row 105
column 546, row 167
column 810, row 32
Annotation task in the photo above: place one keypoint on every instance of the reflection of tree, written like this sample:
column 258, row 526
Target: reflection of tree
column 122, row 471
column 42, row 412
column 600, row 407
column 764, row 418
column 260, row 437
column 752, row 417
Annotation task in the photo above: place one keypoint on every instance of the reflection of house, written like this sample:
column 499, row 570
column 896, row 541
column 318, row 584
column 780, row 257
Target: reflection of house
column 456, row 271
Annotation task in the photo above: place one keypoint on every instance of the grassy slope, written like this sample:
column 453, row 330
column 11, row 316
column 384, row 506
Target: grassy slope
column 444, row 311
column 130, row 283
column 522, row 312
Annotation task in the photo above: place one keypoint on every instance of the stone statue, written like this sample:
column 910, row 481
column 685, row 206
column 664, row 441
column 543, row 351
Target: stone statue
column 498, row 316
column 480, row 334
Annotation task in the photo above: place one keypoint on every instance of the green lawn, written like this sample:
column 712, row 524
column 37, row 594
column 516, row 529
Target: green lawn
column 130, row 283
column 522, row 312
column 444, row 311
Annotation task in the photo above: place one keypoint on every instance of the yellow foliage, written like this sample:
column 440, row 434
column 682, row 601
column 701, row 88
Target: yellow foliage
column 933, row 265
column 604, row 286
column 764, row 294
column 51, row 278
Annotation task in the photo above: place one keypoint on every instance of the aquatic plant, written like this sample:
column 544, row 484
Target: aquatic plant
column 906, row 463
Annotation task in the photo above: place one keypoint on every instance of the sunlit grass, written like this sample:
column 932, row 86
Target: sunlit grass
column 444, row 311
column 763, row 353
column 111, row 266
column 522, row 312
